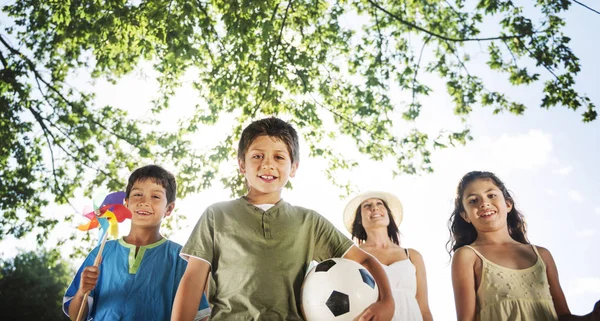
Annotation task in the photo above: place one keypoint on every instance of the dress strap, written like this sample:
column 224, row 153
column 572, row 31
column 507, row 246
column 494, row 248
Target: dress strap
column 539, row 257
column 476, row 252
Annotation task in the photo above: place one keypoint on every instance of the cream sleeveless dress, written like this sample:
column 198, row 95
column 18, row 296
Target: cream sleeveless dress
column 403, row 281
column 514, row 295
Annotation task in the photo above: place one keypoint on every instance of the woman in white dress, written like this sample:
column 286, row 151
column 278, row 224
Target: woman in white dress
column 373, row 218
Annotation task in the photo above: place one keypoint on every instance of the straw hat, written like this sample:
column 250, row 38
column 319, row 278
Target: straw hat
column 391, row 200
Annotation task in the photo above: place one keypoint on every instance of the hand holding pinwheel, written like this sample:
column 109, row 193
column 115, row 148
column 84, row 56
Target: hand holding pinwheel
column 106, row 216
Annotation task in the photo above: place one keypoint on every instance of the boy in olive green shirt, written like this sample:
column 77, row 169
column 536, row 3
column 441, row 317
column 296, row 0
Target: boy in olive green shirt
column 258, row 247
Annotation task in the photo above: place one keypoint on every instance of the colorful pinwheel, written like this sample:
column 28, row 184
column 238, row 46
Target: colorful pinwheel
column 111, row 211
column 107, row 215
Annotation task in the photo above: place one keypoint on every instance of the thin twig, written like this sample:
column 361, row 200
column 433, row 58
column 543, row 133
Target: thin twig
column 431, row 33
column 585, row 6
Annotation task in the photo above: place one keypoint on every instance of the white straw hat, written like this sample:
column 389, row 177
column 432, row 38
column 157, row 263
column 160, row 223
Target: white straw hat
column 391, row 200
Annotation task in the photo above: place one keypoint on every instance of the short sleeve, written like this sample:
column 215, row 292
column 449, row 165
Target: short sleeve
column 200, row 244
column 74, row 286
column 203, row 310
column 329, row 241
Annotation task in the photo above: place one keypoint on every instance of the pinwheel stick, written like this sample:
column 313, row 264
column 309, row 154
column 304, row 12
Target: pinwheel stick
column 96, row 263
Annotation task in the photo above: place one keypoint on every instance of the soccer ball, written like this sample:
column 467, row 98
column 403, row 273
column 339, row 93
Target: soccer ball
column 337, row 290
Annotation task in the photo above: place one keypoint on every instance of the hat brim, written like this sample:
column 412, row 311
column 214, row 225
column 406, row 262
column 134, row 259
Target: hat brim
column 391, row 200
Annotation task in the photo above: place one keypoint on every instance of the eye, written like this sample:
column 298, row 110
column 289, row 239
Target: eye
column 492, row 196
column 257, row 156
column 156, row 196
column 472, row 201
column 137, row 194
column 279, row 157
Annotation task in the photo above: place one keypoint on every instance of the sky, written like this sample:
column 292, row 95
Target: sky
column 547, row 159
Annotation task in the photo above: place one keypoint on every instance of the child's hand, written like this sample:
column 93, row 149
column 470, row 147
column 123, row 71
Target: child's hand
column 89, row 278
column 380, row 311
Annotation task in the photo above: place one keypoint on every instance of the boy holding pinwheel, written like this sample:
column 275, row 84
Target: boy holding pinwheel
column 138, row 275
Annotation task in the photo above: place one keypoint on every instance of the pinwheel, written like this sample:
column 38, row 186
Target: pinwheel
column 111, row 209
column 106, row 216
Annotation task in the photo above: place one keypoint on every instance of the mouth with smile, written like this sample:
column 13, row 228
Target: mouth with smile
column 143, row 213
column 376, row 215
column 487, row 214
column 267, row 178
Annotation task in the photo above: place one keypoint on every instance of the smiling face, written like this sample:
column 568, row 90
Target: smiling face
column 267, row 166
column 374, row 213
column 485, row 206
column 148, row 204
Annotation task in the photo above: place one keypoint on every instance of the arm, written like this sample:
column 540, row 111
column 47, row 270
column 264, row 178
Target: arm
column 383, row 309
column 421, row 296
column 190, row 290
column 89, row 278
column 558, row 297
column 592, row 316
column 463, row 282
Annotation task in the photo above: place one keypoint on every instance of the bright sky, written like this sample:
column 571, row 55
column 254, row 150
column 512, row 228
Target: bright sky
column 548, row 159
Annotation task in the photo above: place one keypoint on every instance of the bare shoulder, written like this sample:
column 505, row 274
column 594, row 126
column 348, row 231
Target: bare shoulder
column 542, row 250
column 415, row 257
column 464, row 256
column 414, row 253
column 545, row 254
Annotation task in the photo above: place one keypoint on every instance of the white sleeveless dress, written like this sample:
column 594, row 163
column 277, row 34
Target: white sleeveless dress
column 403, row 281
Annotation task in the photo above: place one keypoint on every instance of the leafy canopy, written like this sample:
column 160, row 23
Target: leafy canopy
column 32, row 285
column 332, row 67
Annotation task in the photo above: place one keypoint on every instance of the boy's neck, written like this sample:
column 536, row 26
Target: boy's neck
column 258, row 199
column 143, row 237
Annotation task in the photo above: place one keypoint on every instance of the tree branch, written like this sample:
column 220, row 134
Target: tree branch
column 417, row 68
column 585, row 6
column 270, row 70
column 214, row 31
column 305, row 85
column 431, row 33
column 4, row 62
column 39, row 77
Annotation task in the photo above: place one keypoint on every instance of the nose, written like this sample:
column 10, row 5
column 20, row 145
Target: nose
column 267, row 163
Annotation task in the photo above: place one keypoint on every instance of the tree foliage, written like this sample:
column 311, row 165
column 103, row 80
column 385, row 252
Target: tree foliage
column 315, row 62
column 32, row 285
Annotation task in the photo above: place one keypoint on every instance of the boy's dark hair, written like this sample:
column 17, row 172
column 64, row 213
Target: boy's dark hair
column 463, row 233
column 273, row 127
column 158, row 175
column 359, row 232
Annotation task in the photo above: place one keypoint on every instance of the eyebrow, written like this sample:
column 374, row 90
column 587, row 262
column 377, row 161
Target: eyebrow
column 489, row 190
column 154, row 190
column 262, row 150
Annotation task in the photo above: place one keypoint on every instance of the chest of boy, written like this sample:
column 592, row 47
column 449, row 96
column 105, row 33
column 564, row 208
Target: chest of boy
column 266, row 228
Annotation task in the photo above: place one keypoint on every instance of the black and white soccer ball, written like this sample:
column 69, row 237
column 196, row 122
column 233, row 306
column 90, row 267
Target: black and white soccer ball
column 337, row 290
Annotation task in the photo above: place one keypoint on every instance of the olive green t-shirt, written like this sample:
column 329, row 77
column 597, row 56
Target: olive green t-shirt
column 259, row 258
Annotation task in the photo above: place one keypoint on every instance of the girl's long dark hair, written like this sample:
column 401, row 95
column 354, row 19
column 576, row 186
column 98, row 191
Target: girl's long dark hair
column 463, row 233
column 359, row 233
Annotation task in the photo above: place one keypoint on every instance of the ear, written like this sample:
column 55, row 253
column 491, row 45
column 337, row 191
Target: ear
column 465, row 217
column 294, row 169
column 169, row 210
column 242, row 166
column 509, row 206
